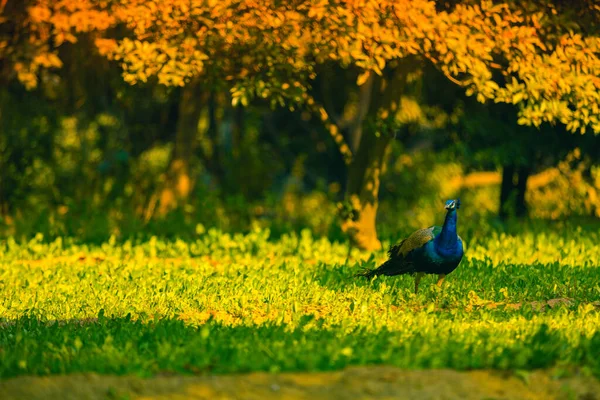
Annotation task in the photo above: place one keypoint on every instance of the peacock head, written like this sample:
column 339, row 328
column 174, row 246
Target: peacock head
column 453, row 204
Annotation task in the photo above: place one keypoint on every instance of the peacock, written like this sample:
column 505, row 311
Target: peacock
column 433, row 250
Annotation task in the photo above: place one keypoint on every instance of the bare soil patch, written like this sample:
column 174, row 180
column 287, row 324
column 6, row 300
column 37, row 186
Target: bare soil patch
column 352, row 383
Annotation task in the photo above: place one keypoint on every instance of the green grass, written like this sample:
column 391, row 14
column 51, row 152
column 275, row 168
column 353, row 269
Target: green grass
column 234, row 303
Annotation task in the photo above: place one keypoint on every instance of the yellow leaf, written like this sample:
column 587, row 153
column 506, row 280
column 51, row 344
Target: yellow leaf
column 362, row 78
column 492, row 85
column 517, row 97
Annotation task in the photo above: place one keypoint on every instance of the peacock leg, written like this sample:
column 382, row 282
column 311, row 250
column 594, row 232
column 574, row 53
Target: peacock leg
column 441, row 279
column 417, row 280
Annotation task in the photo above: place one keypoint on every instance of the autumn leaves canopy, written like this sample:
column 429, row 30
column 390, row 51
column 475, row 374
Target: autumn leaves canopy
column 527, row 53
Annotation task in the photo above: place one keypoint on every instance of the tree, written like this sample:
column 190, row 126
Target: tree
column 492, row 137
column 33, row 31
column 497, row 51
column 48, row 47
column 34, row 37
column 492, row 131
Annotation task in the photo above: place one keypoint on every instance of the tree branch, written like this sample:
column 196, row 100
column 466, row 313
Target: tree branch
column 342, row 121
column 454, row 80
column 332, row 128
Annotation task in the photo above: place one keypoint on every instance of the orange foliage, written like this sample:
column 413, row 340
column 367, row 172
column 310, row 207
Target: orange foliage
column 33, row 30
column 499, row 51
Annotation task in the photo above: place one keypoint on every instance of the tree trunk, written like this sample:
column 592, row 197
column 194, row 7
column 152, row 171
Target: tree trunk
column 363, row 191
column 214, row 161
column 368, row 162
column 356, row 127
column 592, row 201
column 521, row 204
column 238, row 130
column 512, row 194
column 178, row 180
column 507, row 189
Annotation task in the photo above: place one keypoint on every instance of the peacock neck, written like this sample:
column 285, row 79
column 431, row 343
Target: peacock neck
column 447, row 238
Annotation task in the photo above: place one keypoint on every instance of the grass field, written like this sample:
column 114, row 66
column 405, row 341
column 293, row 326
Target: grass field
column 237, row 303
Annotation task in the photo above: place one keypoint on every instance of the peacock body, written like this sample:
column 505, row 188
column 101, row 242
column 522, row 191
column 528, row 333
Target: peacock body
column 434, row 250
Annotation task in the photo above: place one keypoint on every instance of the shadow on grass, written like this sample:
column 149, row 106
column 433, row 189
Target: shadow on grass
column 120, row 346
column 342, row 278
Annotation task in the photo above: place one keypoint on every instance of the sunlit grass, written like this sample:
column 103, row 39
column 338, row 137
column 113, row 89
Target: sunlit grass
column 231, row 303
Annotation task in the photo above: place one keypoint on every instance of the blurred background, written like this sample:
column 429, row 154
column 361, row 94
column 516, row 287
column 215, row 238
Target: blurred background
column 86, row 153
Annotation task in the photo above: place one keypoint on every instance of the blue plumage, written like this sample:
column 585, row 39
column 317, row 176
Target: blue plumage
column 433, row 250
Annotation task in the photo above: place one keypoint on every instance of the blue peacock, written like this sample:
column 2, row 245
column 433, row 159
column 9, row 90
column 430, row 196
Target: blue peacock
column 433, row 250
